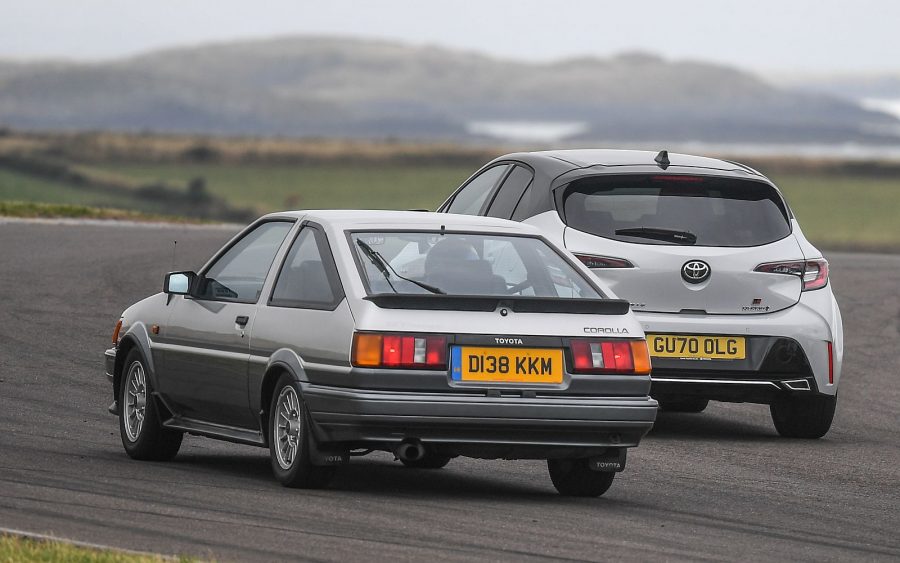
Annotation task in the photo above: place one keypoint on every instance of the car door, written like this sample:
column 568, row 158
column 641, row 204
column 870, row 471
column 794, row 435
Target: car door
column 471, row 198
column 510, row 192
column 206, row 344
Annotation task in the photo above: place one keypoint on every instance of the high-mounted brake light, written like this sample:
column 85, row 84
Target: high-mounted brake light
column 115, row 336
column 812, row 273
column 403, row 351
column 610, row 356
column 676, row 178
column 592, row 261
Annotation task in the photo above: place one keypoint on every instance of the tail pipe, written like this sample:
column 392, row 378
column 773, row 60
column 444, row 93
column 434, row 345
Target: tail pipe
column 410, row 450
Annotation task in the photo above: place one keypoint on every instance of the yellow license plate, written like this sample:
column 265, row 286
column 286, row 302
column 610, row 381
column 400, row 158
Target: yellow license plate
column 512, row 365
column 697, row 347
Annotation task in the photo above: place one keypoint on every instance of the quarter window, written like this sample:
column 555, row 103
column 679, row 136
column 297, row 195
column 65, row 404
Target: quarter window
column 308, row 277
column 471, row 198
column 239, row 274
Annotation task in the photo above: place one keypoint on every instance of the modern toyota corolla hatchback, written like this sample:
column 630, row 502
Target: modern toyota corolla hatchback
column 736, row 303
column 323, row 335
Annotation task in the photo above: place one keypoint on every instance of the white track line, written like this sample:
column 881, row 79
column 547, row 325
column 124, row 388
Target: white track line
column 45, row 537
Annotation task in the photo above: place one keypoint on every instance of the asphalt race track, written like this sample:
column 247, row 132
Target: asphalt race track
column 719, row 485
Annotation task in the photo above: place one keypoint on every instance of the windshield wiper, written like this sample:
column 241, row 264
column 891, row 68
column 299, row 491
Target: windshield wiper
column 667, row 235
column 386, row 270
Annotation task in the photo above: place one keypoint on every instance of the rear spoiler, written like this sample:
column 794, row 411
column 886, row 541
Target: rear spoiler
column 439, row 302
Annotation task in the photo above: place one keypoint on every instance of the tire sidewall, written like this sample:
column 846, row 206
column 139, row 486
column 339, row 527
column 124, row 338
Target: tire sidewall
column 134, row 356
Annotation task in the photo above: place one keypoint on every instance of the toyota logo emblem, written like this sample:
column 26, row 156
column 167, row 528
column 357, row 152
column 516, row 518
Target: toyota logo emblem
column 695, row 271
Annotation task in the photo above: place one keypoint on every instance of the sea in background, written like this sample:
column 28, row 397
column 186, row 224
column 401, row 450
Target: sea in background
column 555, row 134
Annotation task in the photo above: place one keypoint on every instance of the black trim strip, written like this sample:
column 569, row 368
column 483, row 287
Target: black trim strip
column 492, row 303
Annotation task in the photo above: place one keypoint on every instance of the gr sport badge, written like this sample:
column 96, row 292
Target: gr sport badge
column 695, row 271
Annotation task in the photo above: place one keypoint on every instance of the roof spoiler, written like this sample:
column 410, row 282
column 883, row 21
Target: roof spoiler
column 492, row 303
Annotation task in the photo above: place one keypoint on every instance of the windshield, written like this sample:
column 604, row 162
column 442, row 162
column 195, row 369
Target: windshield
column 465, row 264
column 680, row 210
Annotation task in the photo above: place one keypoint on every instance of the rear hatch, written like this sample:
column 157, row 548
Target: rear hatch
column 693, row 241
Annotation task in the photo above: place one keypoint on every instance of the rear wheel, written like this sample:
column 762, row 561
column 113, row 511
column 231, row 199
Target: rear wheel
column 429, row 461
column 139, row 421
column 290, row 433
column 573, row 478
column 804, row 417
column 683, row 404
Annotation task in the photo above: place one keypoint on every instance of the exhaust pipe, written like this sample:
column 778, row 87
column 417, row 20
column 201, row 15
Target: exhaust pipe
column 410, row 450
column 797, row 385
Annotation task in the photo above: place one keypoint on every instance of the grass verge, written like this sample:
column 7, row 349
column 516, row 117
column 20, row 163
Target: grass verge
column 17, row 549
column 35, row 210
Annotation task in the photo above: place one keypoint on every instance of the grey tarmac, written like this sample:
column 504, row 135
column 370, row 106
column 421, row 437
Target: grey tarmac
column 719, row 485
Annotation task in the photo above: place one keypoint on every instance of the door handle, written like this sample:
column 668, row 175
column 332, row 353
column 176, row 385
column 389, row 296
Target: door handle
column 242, row 320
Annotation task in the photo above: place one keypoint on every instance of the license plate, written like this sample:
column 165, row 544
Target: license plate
column 507, row 365
column 695, row 347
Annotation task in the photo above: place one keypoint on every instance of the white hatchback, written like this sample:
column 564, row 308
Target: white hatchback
column 736, row 303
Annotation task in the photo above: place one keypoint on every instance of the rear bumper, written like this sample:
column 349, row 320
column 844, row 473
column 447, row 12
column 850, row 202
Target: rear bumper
column 493, row 425
column 784, row 346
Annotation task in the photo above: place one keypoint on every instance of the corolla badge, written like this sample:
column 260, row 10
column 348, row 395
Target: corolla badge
column 695, row 271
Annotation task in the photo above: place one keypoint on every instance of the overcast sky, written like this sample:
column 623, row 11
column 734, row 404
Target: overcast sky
column 809, row 36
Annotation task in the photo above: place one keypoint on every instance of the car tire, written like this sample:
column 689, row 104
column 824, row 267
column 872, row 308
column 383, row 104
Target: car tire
column 804, row 417
column 683, row 404
column 140, row 426
column 573, row 478
column 290, row 435
column 429, row 461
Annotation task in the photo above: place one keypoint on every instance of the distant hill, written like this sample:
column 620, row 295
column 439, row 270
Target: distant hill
column 329, row 86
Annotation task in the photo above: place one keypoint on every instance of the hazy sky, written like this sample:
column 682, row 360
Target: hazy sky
column 811, row 36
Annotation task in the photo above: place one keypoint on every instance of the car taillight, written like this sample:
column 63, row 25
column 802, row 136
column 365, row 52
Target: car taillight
column 610, row 356
column 592, row 261
column 830, row 363
column 813, row 273
column 403, row 351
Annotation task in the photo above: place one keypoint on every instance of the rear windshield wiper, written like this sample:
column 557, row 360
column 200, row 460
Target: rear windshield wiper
column 667, row 235
column 386, row 269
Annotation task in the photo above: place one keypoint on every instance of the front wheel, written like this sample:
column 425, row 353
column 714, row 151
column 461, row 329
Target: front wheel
column 574, row 478
column 290, row 434
column 140, row 425
column 804, row 417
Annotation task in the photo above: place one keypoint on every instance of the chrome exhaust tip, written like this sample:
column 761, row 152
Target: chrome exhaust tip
column 797, row 385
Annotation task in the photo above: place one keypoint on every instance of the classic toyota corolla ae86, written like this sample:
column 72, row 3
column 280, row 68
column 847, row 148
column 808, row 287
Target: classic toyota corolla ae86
column 327, row 334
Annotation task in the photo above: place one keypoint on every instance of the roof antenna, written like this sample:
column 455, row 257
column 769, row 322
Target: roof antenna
column 662, row 159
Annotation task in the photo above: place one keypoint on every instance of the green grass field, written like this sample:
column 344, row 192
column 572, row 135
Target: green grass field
column 835, row 211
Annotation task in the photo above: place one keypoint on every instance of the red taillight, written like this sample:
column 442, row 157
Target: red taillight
column 610, row 356
column 830, row 364
column 812, row 273
column 603, row 261
column 403, row 351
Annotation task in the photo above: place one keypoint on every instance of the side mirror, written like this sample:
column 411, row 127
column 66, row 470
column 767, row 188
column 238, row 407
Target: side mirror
column 179, row 283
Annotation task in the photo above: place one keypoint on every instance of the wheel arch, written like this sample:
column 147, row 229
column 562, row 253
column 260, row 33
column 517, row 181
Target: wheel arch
column 136, row 337
column 283, row 361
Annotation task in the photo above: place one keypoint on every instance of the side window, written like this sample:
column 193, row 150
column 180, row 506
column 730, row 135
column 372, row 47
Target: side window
column 239, row 274
column 470, row 199
column 308, row 278
column 510, row 192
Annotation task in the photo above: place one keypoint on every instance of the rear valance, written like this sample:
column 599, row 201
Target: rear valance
column 492, row 303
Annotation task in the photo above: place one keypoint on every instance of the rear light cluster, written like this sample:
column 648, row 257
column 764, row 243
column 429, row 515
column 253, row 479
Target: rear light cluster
column 592, row 261
column 813, row 273
column 404, row 351
column 610, row 356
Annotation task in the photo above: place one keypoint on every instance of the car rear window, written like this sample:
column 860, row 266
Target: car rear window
column 465, row 264
column 672, row 209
